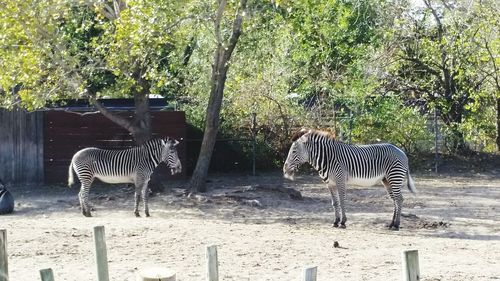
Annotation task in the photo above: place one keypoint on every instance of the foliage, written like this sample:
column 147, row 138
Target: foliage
column 387, row 119
column 57, row 49
column 297, row 63
column 442, row 62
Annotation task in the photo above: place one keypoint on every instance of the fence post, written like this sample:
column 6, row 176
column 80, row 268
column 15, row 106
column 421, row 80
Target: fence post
column 310, row 273
column 101, row 255
column 212, row 264
column 4, row 267
column 411, row 270
column 47, row 274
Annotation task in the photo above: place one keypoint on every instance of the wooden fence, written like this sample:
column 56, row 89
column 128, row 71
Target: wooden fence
column 65, row 133
column 37, row 147
column 21, row 148
column 410, row 264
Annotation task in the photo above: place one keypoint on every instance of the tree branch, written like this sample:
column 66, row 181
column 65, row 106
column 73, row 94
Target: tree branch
column 236, row 30
column 423, row 65
column 218, row 19
column 117, row 119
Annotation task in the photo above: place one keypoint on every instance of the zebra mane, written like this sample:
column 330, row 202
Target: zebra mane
column 156, row 142
column 299, row 134
column 314, row 132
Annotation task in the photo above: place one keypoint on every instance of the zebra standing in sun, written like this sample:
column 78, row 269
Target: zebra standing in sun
column 339, row 164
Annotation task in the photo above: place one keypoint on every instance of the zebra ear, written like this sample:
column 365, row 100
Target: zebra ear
column 303, row 138
column 176, row 142
column 163, row 142
column 297, row 135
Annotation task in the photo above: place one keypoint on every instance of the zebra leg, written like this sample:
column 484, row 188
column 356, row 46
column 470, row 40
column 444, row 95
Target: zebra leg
column 396, row 183
column 398, row 205
column 145, row 194
column 137, row 199
column 335, row 203
column 342, row 197
column 389, row 191
column 83, row 196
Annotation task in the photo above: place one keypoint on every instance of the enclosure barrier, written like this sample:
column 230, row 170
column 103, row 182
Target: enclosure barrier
column 101, row 255
column 47, row 274
column 411, row 270
column 410, row 263
column 4, row 268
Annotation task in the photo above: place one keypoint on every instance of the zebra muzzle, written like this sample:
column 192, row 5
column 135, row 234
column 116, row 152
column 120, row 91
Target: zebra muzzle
column 289, row 175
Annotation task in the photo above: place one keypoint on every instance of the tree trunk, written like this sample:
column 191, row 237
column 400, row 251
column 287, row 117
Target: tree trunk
column 455, row 141
column 141, row 130
column 219, row 73
column 498, row 124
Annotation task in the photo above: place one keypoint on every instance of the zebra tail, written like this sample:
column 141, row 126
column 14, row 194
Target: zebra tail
column 71, row 178
column 411, row 183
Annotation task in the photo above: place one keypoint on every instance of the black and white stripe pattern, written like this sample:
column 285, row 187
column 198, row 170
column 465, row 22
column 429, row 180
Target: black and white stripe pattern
column 134, row 165
column 339, row 164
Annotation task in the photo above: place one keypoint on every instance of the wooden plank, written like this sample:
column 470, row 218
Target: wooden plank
column 39, row 149
column 63, row 119
column 411, row 270
column 101, row 254
column 212, row 264
column 47, row 274
column 310, row 273
column 7, row 146
column 20, row 156
column 4, row 266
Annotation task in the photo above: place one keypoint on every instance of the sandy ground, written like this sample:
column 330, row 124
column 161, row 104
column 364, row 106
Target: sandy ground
column 454, row 222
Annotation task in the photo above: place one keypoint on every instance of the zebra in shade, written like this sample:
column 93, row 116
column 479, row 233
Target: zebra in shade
column 339, row 164
column 134, row 165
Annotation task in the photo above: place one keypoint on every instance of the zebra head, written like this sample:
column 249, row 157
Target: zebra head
column 169, row 155
column 297, row 155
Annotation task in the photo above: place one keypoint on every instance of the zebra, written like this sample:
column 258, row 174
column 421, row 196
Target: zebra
column 134, row 165
column 339, row 164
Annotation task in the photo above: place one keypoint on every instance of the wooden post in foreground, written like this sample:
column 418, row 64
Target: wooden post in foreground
column 101, row 255
column 310, row 273
column 47, row 274
column 411, row 270
column 4, row 267
column 155, row 274
column 212, row 264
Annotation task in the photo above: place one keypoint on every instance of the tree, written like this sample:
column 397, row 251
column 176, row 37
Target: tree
column 220, row 66
column 56, row 50
column 440, row 65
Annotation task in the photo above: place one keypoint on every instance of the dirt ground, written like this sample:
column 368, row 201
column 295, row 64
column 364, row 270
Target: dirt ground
column 454, row 222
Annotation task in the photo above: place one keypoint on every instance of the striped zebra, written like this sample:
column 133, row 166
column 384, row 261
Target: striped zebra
column 339, row 164
column 134, row 165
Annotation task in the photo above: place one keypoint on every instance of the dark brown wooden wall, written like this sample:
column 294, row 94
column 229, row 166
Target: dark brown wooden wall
column 65, row 133
column 21, row 154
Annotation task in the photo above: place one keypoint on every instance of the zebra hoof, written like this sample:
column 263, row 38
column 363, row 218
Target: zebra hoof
column 137, row 214
column 395, row 228
column 148, row 215
column 87, row 214
column 342, row 226
column 335, row 224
